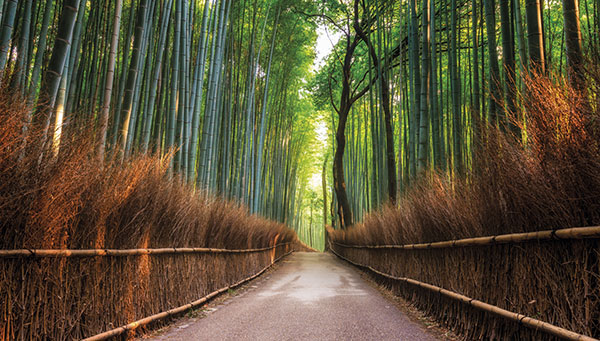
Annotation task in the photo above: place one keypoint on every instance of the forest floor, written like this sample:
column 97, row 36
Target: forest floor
column 309, row 296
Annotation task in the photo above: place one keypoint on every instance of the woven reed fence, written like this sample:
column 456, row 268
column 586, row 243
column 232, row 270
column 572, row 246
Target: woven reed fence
column 73, row 294
column 550, row 276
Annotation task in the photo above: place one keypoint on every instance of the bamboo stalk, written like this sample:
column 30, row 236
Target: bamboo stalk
column 178, row 310
column 568, row 233
column 126, row 252
column 509, row 315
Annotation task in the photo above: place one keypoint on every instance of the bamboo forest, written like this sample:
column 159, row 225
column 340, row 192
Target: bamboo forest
column 365, row 129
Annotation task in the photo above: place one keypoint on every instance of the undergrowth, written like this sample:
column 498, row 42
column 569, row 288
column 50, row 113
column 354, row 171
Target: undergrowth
column 71, row 200
column 551, row 181
column 67, row 199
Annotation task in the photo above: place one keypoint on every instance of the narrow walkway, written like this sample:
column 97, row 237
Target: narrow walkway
column 311, row 296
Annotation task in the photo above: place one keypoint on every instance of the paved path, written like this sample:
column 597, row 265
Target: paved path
column 311, row 296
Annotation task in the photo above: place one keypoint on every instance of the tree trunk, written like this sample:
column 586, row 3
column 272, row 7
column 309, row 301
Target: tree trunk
column 385, row 104
column 53, row 74
column 60, row 112
column 23, row 49
column 108, row 87
column 415, row 77
column 508, row 57
column 197, row 93
column 425, row 79
column 575, row 67
column 6, row 33
column 132, row 76
column 535, row 36
column 344, row 211
column 436, row 116
column 263, row 118
column 495, row 85
column 457, row 140
column 41, row 49
column 155, row 78
column 520, row 38
column 476, row 109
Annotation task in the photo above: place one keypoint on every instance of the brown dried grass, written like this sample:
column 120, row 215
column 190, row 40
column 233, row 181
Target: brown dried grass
column 553, row 182
column 71, row 201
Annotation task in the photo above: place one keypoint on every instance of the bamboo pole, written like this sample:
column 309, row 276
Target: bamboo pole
column 178, row 310
column 509, row 315
column 569, row 233
column 119, row 253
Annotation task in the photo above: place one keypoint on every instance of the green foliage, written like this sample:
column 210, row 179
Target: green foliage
column 248, row 134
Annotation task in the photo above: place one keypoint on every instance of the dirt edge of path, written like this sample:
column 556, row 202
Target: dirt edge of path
column 414, row 314
column 210, row 306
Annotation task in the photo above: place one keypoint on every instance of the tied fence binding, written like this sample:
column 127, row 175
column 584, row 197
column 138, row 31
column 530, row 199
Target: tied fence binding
column 538, row 325
column 119, row 253
column 568, row 233
column 175, row 311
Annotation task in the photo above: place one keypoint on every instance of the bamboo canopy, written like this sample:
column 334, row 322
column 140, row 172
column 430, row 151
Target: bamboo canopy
column 516, row 317
column 568, row 233
column 119, row 253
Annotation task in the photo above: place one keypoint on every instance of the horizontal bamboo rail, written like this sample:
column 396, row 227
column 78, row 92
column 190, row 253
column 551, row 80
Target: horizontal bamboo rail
column 569, row 233
column 178, row 310
column 119, row 253
column 509, row 315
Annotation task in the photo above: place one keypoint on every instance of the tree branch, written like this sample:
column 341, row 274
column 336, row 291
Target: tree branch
column 331, row 94
column 322, row 16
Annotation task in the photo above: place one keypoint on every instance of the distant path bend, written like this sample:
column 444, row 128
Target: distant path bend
column 311, row 296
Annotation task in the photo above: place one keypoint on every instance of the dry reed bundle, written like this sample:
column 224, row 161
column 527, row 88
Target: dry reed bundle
column 62, row 298
column 66, row 200
column 552, row 183
column 535, row 325
column 175, row 311
column 550, row 280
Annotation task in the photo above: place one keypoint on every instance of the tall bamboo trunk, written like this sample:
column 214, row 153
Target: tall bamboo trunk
column 425, row 81
column 508, row 57
column 53, row 74
column 108, row 87
column 455, row 88
column 41, row 49
column 23, row 49
column 535, row 36
column 8, row 20
column 259, row 159
column 494, row 79
column 476, row 120
column 415, row 88
column 573, row 43
column 197, row 93
column 132, row 76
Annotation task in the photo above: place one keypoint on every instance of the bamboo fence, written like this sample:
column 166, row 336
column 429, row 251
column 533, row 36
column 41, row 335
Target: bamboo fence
column 515, row 317
column 72, row 294
column 176, row 311
column 569, row 233
column 121, row 253
column 552, row 278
